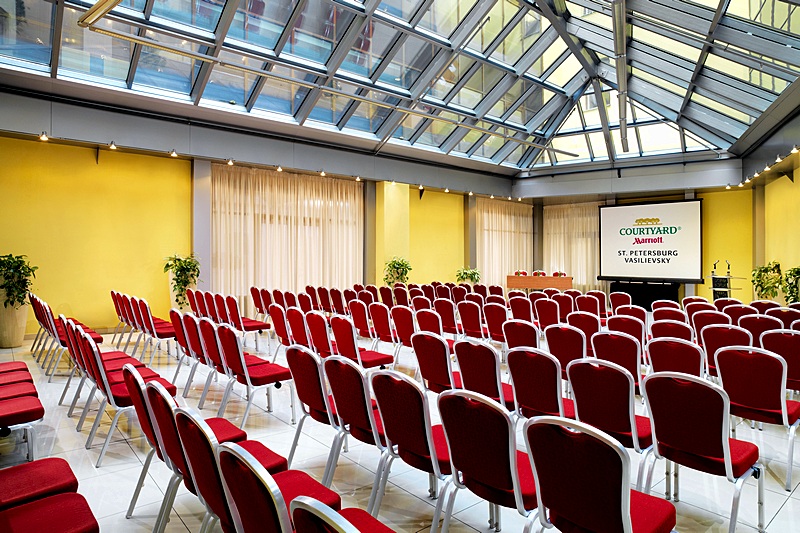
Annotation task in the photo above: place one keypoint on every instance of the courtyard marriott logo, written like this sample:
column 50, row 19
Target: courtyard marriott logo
column 648, row 231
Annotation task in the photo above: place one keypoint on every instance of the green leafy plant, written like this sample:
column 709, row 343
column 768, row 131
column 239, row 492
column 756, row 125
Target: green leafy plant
column 16, row 276
column 767, row 280
column 790, row 288
column 185, row 273
column 468, row 274
column 396, row 270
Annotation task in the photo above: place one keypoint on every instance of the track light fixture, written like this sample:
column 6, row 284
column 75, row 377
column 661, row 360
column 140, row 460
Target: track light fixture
column 519, row 199
column 279, row 169
column 470, row 193
column 755, row 175
column 112, row 146
column 766, row 168
column 794, row 149
column 230, row 162
column 446, row 189
column 492, row 197
column 44, row 137
column 173, row 153
column 358, row 178
column 322, row 173
column 420, row 187
column 728, row 187
column 778, row 159
column 747, row 179
column 740, row 184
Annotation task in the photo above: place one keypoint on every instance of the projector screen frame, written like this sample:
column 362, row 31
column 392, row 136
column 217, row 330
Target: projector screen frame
column 697, row 281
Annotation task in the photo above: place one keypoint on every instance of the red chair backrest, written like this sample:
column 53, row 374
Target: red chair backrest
column 495, row 299
column 634, row 311
column 786, row 315
column 277, row 314
column 421, row 302
column 480, row 368
column 305, row 302
column 536, row 376
column 359, row 313
column 114, row 300
column 496, row 290
column 671, row 328
column 413, row 292
column 162, row 407
column 470, row 314
column 588, row 323
column 516, row 293
column 401, row 296
column 521, row 308
column 738, row 311
column 231, row 306
column 191, row 328
column 547, row 312
column 566, row 343
column 664, row 304
column 358, row 287
column 669, row 354
column 211, row 306
column 351, row 397
column 201, row 304
column 521, row 333
column 764, row 305
column 630, row 325
column 176, row 318
column 306, row 369
column 718, row 336
column 695, row 307
column 588, row 303
column 617, row 299
column 565, row 305
column 601, row 298
column 758, row 324
column 208, row 338
column 459, row 293
column 550, row 291
column 337, row 301
column 257, row 303
column 366, row 297
column 443, row 291
column 670, row 313
column 318, row 329
column 786, row 343
column 722, row 303
column 480, row 288
column 191, row 297
column 345, row 334
column 231, row 350
column 136, row 389
column 447, row 310
column 753, row 378
column 619, row 348
column 266, row 299
column 312, row 293
column 693, row 299
column 386, row 296
column 403, row 318
column 349, row 295
column 429, row 320
column 475, row 298
column 373, row 290
column 298, row 327
column 221, row 308
column 382, row 322
column 533, row 296
column 429, row 292
column 573, row 293
column 324, row 299
column 496, row 315
column 289, row 299
column 433, row 357
column 701, row 319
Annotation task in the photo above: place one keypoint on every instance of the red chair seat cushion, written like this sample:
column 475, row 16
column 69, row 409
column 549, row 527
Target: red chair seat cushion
column 569, row 410
column 440, row 387
column 643, row 430
column 648, row 515
column 16, row 390
column 15, row 377
column 62, row 336
column 123, row 398
column 743, row 456
column 253, row 360
column 20, row 411
column 294, row 483
column 225, row 431
column 264, row 374
column 253, row 325
column 506, row 497
column 370, row 358
column 508, row 396
column 270, row 460
column 363, row 521
column 13, row 366
column 115, row 377
column 33, row 481
column 768, row 416
column 117, row 364
column 113, row 355
column 165, row 331
column 424, row 463
column 61, row 513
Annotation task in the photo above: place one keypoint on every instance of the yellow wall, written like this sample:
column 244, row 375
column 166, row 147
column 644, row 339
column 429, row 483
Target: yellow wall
column 782, row 220
column 728, row 234
column 91, row 227
column 391, row 220
column 436, row 236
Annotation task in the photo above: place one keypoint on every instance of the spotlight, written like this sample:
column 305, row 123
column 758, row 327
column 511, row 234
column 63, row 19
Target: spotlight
column 740, row 184
column 44, row 137
column 519, row 199
column 173, row 153
column 230, row 162
column 728, row 187
column 420, row 187
column 470, row 193
column 358, row 178
column 393, row 182
column 279, row 169
column 492, row 197
column 766, row 168
column 112, row 146
column 509, row 198
column 755, row 175
column 747, row 179
column 794, row 149
column 322, row 173
column 778, row 159
column 446, row 190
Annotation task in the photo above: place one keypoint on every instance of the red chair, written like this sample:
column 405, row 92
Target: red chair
column 718, row 336
column 480, row 288
column 359, row 314
column 722, row 303
column 671, row 328
column 403, row 319
column 429, row 292
column 565, row 455
column 573, row 293
column 201, row 305
column 632, row 310
column 601, row 298
column 567, row 343
column 258, row 303
column 251, row 371
column 382, row 324
column 447, row 311
column 459, row 293
column 386, row 296
column 413, row 292
column 589, row 303
column 495, row 299
column 211, row 307
column 466, row 286
column 406, row 420
column 738, row 311
column 764, row 305
column 191, row 298
column 421, row 302
column 298, row 327
column 480, row 372
column 796, row 325
column 430, row 321
column 475, row 298
column 349, row 295
column 536, row 378
column 786, row 315
column 312, row 516
column 324, row 300
column 617, row 299
column 701, row 319
column 208, row 339
column 550, row 292
column 222, row 309
column 484, row 457
column 588, row 323
column 695, row 307
column 277, row 315
column 786, row 343
column 520, row 333
column 443, row 291
column 358, row 287
column 266, row 300
column 565, row 305
column 516, row 293
column 604, row 396
column 664, row 304
column 372, row 289
column 495, row 290
column 356, row 412
column 630, row 325
column 338, row 304
column 758, row 324
column 533, row 296
column 320, row 336
column 496, row 315
column 521, row 309
column 670, row 354
column 315, row 400
column 435, row 366
column 755, row 380
column 366, row 297
column 690, row 422
column 547, row 312
column 401, row 296
column 244, row 324
column 311, row 291
column 669, row 313
column 471, row 320
column 693, row 299
column 345, row 334
column 621, row 349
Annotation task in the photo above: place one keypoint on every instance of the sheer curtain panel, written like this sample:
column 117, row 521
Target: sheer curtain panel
column 504, row 239
column 572, row 242
column 283, row 231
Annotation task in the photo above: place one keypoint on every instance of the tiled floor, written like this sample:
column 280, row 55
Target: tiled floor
column 704, row 506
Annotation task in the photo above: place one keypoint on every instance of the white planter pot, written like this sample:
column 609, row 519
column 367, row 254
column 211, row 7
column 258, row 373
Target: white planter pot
column 12, row 324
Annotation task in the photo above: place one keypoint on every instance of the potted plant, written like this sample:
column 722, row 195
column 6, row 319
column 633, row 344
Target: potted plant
column 539, row 273
column 16, row 275
column 396, row 271
column 767, row 280
column 791, row 291
column 473, row 275
column 520, row 272
column 184, row 273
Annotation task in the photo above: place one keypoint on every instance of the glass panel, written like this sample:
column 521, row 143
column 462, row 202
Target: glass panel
column 659, row 138
column 330, row 106
column 408, row 63
column 370, row 47
column 665, row 43
column 550, row 55
column 88, row 52
column 369, row 117
column 595, row 17
column 521, row 38
column 507, row 100
column 444, row 16
column 659, row 82
column 542, row 160
column 317, row 30
column 530, row 106
column 166, row 70
column 722, row 108
column 406, row 128
column 231, row 85
column 516, row 155
column 258, row 25
column 575, row 144
column 478, row 85
column 565, row 72
column 779, row 15
column 765, row 81
column 137, row 5
column 452, row 74
column 490, row 146
column 26, row 30
column 573, row 121
column 691, row 141
column 203, row 14
column 598, row 142
column 633, row 143
column 401, row 9
column 469, row 139
column 437, row 131
column 500, row 14
column 280, row 96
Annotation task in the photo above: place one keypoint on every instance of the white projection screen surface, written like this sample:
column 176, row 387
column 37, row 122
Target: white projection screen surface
column 652, row 242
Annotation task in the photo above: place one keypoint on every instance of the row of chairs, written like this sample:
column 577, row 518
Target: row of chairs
column 225, row 310
column 134, row 315
column 20, row 408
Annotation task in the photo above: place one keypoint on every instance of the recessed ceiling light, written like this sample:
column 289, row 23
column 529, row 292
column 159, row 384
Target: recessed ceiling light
column 44, row 137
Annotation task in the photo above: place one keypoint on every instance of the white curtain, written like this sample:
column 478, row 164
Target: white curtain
column 572, row 243
column 504, row 239
column 284, row 231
